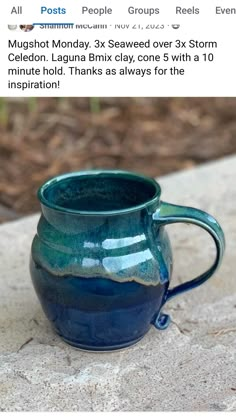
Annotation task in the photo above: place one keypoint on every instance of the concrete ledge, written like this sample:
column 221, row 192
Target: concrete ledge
column 190, row 366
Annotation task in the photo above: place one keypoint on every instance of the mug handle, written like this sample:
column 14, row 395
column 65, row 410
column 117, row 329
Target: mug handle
column 170, row 213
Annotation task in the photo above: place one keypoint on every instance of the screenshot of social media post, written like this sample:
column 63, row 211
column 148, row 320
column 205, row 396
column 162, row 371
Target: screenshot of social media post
column 113, row 49
column 117, row 207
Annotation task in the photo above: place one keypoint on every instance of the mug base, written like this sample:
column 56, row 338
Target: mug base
column 95, row 349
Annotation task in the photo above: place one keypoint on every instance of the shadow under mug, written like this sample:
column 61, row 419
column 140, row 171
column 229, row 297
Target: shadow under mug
column 101, row 261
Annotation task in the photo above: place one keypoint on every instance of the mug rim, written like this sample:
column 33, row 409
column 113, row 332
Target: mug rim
column 94, row 172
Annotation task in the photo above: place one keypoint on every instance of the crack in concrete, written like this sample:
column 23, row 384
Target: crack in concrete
column 222, row 331
column 68, row 359
column 24, row 344
column 181, row 330
column 23, row 376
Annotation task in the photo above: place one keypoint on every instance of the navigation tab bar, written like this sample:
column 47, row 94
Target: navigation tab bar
column 85, row 11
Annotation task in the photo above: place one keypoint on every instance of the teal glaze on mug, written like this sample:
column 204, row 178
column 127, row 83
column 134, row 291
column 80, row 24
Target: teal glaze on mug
column 101, row 261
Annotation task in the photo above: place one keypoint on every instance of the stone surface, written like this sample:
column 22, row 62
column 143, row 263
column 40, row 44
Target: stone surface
column 190, row 366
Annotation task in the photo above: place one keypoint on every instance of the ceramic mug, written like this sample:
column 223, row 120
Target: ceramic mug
column 101, row 261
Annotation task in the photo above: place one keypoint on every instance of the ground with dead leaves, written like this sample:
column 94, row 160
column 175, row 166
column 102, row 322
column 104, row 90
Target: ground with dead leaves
column 40, row 138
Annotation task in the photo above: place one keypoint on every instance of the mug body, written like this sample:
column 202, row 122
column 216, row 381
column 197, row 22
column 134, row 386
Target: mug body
column 99, row 264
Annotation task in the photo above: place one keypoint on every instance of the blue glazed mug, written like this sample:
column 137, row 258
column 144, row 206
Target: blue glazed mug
column 101, row 261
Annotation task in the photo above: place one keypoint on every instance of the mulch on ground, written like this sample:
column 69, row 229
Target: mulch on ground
column 40, row 138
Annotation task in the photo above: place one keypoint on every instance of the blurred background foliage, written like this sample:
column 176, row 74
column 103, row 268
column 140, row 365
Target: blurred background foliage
column 43, row 137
